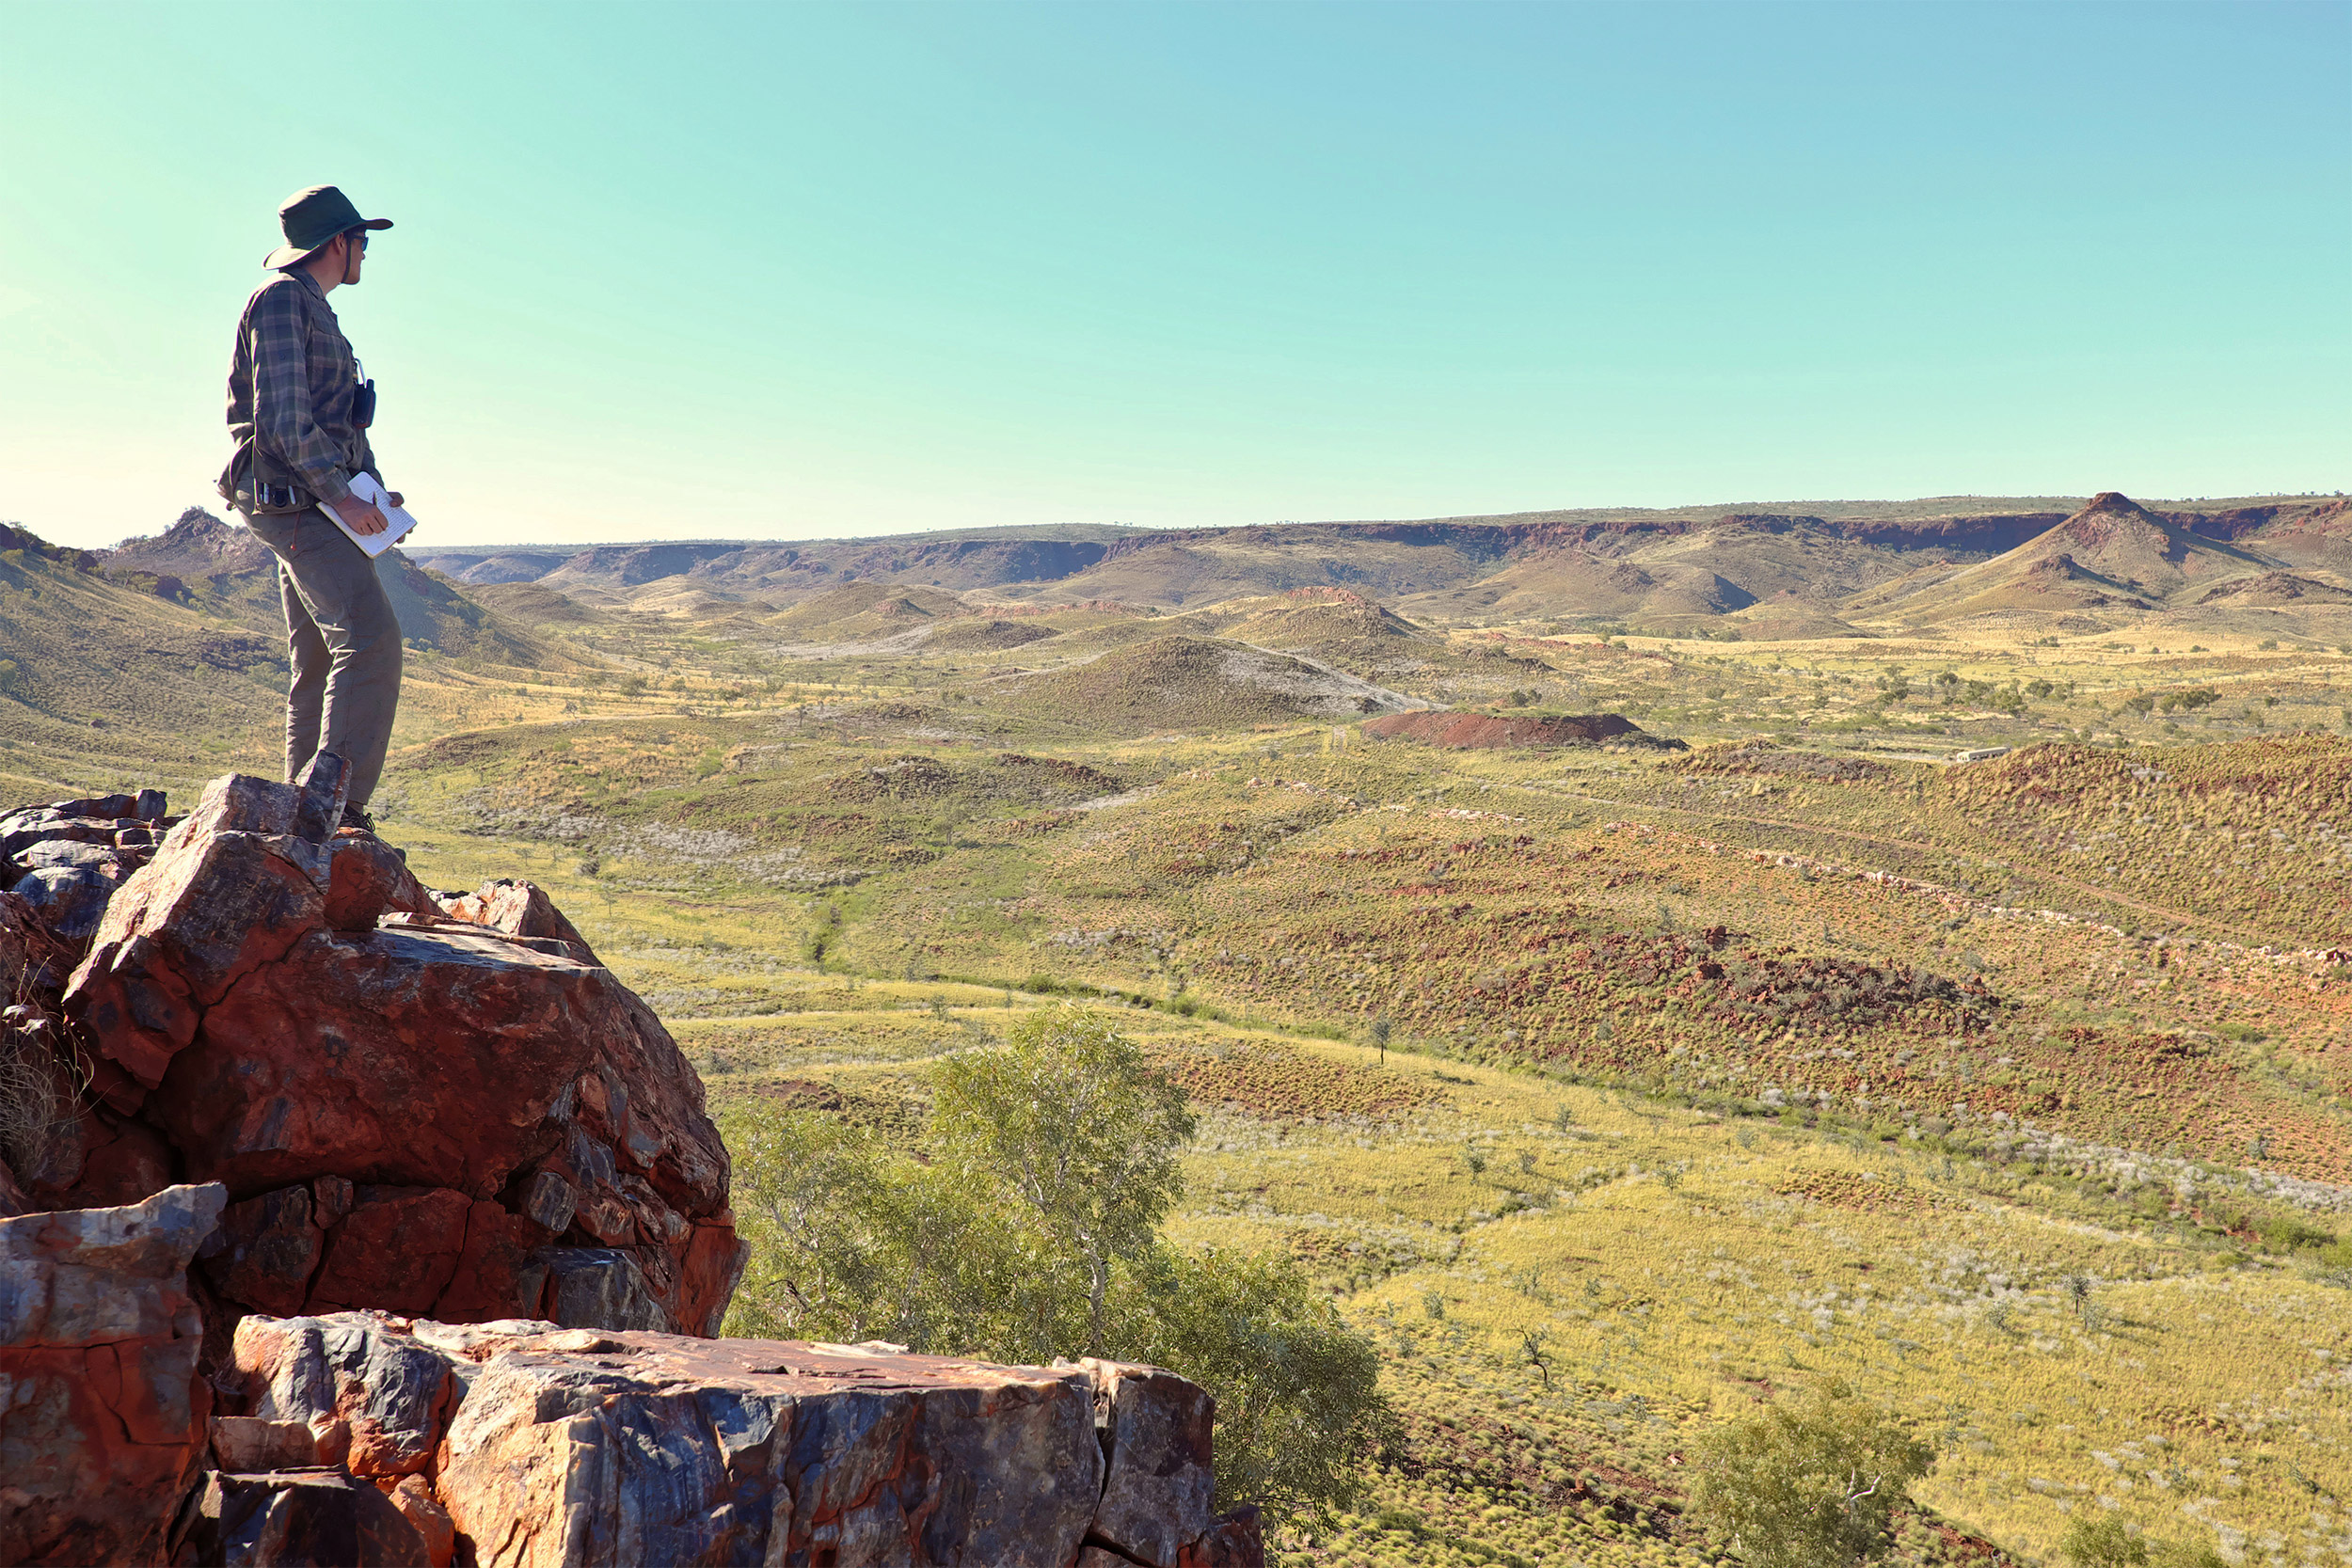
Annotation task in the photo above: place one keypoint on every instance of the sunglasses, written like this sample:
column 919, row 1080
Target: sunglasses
column 363, row 236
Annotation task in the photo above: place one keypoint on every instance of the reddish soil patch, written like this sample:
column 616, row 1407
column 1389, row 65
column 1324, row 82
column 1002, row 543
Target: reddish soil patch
column 1481, row 729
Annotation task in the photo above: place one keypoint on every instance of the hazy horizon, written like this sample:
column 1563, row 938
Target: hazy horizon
column 1799, row 508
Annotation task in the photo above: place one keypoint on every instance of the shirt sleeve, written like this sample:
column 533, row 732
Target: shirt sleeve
column 281, row 397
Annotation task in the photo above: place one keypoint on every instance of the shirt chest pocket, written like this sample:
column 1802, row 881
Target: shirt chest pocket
column 333, row 371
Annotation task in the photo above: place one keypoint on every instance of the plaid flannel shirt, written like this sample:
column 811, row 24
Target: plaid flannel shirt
column 292, row 383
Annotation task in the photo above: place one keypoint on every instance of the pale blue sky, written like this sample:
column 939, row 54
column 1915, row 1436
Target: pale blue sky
column 785, row 271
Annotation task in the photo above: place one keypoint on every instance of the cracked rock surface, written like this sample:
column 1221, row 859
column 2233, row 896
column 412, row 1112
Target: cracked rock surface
column 103, row 1417
column 546, row 1445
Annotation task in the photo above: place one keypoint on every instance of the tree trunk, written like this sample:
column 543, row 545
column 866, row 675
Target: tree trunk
column 1098, row 1287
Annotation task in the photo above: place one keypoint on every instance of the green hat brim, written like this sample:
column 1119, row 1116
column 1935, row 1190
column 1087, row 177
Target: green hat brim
column 286, row 256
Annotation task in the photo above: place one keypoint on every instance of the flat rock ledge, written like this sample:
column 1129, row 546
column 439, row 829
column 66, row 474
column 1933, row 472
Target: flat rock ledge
column 371, row 1437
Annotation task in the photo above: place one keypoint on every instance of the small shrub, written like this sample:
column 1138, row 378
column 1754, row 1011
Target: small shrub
column 32, row 1111
column 1808, row 1481
column 2292, row 1233
column 2111, row 1542
column 2104, row 1544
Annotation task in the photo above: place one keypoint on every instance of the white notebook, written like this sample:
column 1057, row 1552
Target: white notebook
column 374, row 543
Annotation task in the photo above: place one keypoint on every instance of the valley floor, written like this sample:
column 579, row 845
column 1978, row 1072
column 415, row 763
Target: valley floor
column 1569, row 1284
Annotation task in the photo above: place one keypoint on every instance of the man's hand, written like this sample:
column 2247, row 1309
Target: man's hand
column 359, row 516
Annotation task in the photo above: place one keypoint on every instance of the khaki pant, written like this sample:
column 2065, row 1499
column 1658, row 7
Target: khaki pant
column 342, row 641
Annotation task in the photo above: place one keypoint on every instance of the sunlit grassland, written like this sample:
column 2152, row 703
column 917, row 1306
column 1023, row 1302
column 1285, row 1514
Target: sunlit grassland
column 1320, row 881
column 1665, row 1267
column 1565, row 1305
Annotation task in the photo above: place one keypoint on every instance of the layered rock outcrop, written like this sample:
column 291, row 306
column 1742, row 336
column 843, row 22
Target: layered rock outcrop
column 440, row 1104
column 540, row 1446
column 371, row 1437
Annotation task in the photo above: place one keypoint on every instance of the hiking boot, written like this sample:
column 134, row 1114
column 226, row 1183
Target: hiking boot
column 357, row 816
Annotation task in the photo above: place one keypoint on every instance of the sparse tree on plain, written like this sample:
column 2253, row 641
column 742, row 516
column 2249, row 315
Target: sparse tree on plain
column 1073, row 1121
column 1810, row 1480
column 1031, row 1233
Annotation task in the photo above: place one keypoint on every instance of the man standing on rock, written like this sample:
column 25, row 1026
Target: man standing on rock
column 299, row 412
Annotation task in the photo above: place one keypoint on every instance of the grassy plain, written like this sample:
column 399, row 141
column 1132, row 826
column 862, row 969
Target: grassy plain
column 1999, row 1089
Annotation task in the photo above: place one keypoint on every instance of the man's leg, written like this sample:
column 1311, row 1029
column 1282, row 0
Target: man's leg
column 306, row 696
column 336, row 585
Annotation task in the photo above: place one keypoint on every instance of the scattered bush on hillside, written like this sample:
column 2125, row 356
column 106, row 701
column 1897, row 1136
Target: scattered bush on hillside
column 2112, row 1544
column 1031, row 1232
column 1808, row 1481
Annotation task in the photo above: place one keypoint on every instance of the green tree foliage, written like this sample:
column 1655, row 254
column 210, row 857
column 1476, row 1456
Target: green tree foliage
column 852, row 1242
column 1808, row 1481
column 1297, row 1404
column 1030, row 1232
column 1070, row 1122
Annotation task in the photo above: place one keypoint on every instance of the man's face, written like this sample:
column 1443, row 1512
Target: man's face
column 355, row 254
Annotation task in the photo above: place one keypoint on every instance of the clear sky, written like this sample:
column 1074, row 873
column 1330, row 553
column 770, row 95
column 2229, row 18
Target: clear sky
column 802, row 270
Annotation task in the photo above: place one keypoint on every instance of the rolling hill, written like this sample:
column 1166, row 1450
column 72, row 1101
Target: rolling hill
column 2112, row 554
column 1193, row 683
column 221, row 569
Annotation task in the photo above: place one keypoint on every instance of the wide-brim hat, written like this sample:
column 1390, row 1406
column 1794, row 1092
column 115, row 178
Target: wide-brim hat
column 311, row 218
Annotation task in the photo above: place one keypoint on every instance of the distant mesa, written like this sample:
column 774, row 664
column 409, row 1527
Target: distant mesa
column 508, row 567
column 1355, row 591
column 2113, row 554
column 1460, row 731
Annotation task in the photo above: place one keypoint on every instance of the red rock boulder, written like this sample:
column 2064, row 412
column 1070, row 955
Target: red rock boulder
column 103, row 1420
column 457, row 1112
